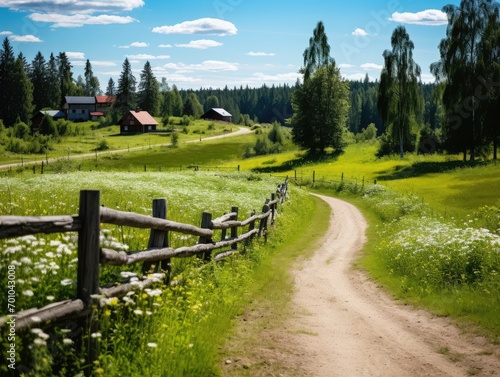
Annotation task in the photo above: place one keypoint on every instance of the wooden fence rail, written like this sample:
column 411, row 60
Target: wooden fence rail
column 158, row 253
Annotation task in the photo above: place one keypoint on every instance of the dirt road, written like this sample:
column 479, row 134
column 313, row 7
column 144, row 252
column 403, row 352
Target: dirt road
column 344, row 325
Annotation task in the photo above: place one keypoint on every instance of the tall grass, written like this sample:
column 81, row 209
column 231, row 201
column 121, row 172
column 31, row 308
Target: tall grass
column 170, row 332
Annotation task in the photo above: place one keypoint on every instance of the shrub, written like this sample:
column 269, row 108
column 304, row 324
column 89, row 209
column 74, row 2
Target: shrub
column 102, row 145
column 174, row 139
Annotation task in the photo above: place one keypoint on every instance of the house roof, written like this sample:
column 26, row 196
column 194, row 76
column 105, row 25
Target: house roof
column 80, row 100
column 96, row 114
column 143, row 117
column 105, row 99
column 52, row 113
column 221, row 111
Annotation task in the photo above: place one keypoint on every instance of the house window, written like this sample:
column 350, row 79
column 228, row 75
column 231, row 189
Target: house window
column 132, row 123
column 150, row 128
column 83, row 111
column 73, row 111
column 125, row 128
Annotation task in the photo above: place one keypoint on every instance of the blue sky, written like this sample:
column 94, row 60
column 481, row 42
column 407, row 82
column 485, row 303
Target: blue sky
column 213, row 43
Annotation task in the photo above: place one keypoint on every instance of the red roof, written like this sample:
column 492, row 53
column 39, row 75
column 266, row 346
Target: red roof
column 105, row 99
column 143, row 117
column 96, row 114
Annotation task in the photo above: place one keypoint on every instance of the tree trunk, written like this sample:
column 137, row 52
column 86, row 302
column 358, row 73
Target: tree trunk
column 401, row 144
column 495, row 145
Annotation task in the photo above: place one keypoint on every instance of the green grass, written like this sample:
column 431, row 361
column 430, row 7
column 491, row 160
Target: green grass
column 89, row 137
column 179, row 328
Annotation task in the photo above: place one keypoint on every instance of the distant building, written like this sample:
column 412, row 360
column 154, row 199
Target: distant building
column 37, row 119
column 103, row 105
column 137, row 121
column 217, row 114
column 78, row 108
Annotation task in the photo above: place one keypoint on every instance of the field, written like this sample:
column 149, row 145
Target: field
column 425, row 211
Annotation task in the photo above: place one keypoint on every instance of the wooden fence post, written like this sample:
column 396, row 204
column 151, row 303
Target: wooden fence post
column 88, row 262
column 234, row 229
column 273, row 208
column 263, row 222
column 206, row 223
column 159, row 238
column 251, row 227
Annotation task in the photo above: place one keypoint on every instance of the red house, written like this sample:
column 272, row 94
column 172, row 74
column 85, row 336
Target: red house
column 137, row 121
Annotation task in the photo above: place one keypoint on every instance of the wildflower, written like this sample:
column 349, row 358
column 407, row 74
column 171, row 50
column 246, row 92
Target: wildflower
column 66, row 282
column 148, row 312
column 36, row 319
column 96, row 335
column 107, row 313
column 128, row 300
column 36, row 330
column 26, row 260
column 28, row 293
column 152, row 345
column 138, row 312
column 65, row 331
column 67, row 341
column 43, row 335
column 113, row 301
column 34, row 279
column 40, row 342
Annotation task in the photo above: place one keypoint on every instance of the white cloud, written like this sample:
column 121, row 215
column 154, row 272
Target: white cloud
column 72, row 6
column 78, row 20
column 24, row 38
column 207, row 65
column 428, row 78
column 164, row 46
column 177, row 78
column 200, row 44
column 212, row 26
column 135, row 44
column 75, row 55
column 259, row 53
column 148, row 57
column 345, row 65
column 371, row 67
column 359, row 33
column 430, row 17
column 6, row 32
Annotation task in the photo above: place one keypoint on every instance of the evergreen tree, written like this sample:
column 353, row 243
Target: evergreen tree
column 177, row 105
column 125, row 94
column 92, row 86
column 66, row 85
column 21, row 97
column 7, row 83
column 111, row 88
column 39, row 79
column 192, row 106
column 53, row 83
column 398, row 96
column 149, row 91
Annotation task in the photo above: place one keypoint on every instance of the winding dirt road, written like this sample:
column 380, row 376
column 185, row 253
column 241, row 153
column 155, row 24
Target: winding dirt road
column 344, row 325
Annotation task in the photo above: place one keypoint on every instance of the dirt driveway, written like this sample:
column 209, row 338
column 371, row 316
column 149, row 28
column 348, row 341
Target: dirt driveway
column 342, row 324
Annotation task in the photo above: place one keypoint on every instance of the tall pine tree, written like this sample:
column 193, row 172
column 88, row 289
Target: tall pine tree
column 125, row 93
column 149, row 91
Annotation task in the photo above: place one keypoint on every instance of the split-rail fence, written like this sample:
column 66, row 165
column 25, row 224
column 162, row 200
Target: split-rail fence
column 156, row 257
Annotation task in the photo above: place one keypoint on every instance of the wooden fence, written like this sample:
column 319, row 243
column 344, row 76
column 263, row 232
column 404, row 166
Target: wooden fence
column 157, row 255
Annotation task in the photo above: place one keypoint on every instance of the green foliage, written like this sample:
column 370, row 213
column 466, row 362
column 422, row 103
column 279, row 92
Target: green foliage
column 320, row 108
column 192, row 106
column 367, row 134
column 21, row 130
column 102, row 145
column 398, row 99
column 186, row 120
column 149, row 91
column 48, row 126
column 174, row 139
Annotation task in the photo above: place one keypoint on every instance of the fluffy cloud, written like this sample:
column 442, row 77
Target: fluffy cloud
column 78, row 20
column 75, row 55
column 345, row 65
column 431, row 17
column 371, row 67
column 251, row 53
column 5, row 32
column 279, row 77
column 71, row 6
column 164, row 46
column 359, row 33
column 148, row 57
column 200, row 44
column 207, row 65
column 24, row 38
column 212, row 26
column 135, row 44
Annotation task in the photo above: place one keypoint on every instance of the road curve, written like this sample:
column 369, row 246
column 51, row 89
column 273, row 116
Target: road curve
column 344, row 325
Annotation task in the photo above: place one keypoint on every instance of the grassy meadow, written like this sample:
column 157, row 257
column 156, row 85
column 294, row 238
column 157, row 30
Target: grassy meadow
column 180, row 327
column 433, row 241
